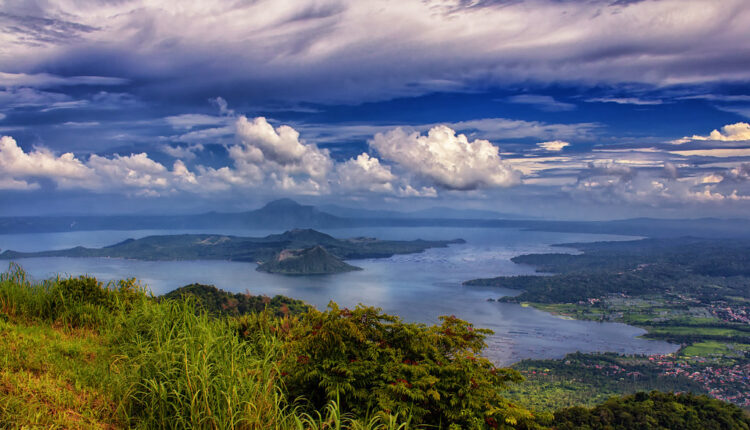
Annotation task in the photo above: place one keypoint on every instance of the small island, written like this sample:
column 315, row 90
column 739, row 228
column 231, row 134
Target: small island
column 310, row 261
column 294, row 252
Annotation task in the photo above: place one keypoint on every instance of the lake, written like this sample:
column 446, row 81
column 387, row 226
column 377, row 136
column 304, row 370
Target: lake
column 417, row 287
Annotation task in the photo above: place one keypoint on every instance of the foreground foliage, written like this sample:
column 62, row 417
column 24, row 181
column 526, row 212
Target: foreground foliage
column 367, row 360
column 75, row 353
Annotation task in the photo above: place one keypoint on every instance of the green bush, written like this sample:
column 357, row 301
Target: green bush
column 368, row 361
column 219, row 302
column 655, row 410
column 72, row 302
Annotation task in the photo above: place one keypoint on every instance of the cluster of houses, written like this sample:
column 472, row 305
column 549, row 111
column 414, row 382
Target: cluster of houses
column 728, row 383
column 728, row 313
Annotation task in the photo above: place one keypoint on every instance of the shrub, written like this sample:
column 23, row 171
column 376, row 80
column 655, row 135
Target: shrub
column 369, row 361
column 73, row 302
column 655, row 410
column 86, row 302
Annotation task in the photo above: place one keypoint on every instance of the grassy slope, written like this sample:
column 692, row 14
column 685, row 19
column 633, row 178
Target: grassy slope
column 54, row 378
column 128, row 361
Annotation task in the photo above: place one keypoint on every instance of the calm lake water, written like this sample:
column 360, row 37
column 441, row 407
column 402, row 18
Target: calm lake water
column 417, row 287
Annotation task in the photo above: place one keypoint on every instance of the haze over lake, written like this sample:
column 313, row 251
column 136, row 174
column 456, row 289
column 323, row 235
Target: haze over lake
column 417, row 287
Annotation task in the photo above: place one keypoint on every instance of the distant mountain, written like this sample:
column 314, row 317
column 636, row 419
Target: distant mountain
column 278, row 214
column 431, row 213
column 347, row 212
column 287, row 214
column 310, row 261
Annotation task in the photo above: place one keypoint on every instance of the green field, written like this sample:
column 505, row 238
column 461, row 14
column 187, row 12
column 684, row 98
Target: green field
column 706, row 349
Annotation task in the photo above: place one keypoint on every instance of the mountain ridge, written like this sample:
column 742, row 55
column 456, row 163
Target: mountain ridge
column 288, row 214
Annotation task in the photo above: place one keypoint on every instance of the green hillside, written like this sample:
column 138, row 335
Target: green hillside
column 79, row 354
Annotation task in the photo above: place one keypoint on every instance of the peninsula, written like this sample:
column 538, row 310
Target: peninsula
column 298, row 251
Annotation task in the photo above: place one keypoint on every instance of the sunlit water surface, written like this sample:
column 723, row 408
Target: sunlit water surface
column 417, row 287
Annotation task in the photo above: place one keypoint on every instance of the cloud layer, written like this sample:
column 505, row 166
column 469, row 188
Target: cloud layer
column 332, row 50
column 265, row 157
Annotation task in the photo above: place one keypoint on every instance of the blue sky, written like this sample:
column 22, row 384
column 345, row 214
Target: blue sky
column 552, row 108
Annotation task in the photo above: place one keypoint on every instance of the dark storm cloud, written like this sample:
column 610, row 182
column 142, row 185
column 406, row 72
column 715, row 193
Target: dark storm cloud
column 350, row 52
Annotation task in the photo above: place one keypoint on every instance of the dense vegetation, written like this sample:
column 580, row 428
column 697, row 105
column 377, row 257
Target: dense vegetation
column 654, row 410
column 79, row 354
column 706, row 269
column 212, row 300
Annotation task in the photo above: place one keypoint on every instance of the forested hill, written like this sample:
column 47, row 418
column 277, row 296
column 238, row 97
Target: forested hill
column 709, row 269
column 309, row 261
column 219, row 302
column 224, row 247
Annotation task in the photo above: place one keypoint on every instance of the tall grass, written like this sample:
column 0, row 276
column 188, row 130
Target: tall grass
column 191, row 371
column 68, row 302
column 21, row 298
column 171, row 365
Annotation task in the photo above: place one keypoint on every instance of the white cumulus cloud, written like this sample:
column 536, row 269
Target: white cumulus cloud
column 365, row 173
column 445, row 159
column 132, row 171
column 16, row 164
column 279, row 154
column 729, row 133
column 612, row 182
column 553, row 145
column 135, row 173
